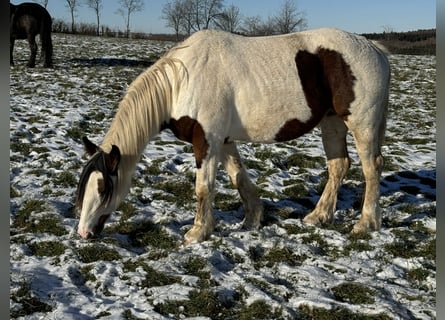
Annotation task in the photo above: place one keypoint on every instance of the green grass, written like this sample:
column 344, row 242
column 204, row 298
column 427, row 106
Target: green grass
column 179, row 192
column 155, row 278
column 127, row 315
column 96, row 252
column 47, row 248
column 146, row 234
column 28, row 301
column 353, row 293
column 307, row 312
column 283, row 255
column 303, row 161
column 20, row 147
column 206, row 303
column 65, row 179
column 26, row 219
column 197, row 266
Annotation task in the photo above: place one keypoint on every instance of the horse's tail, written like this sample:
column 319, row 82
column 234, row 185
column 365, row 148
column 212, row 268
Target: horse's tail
column 45, row 38
column 381, row 47
column 384, row 53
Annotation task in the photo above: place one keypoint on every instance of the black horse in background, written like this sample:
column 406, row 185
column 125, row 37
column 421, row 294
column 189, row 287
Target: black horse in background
column 26, row 21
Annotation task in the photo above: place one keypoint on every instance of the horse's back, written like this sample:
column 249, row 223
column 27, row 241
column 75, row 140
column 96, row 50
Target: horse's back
column 32, row 12
column 295, row 76
column 218, row 51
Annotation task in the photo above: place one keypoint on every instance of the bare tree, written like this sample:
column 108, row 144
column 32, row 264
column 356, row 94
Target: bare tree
column 210, row 10
column 255, row 26
column 200, row 14
column 96, row 5
column 42, row 2
column 289, row 19
column 128, row 7
column 251, row 25
column 388, row 31
column 173, row 13
column 229, row 19
column 188, row 12
column 72, row 6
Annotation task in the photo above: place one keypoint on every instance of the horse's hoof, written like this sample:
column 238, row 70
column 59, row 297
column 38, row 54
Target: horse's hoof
column 195, row 235
column 365, row 227
column 315, row 220
column 252, row 225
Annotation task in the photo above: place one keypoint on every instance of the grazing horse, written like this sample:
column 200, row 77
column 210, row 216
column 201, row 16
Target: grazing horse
column 26, row 21
column 216, row 88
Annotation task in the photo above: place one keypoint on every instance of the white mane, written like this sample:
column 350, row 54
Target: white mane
column 141, row 112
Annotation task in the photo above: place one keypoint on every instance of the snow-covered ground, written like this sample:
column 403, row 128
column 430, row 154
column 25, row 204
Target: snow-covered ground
column 138, row 268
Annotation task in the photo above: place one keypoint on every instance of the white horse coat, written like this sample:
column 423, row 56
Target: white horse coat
column 215, row 89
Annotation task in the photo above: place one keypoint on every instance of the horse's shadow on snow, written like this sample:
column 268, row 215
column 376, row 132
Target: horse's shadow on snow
column 399, row 188
column 111, row 62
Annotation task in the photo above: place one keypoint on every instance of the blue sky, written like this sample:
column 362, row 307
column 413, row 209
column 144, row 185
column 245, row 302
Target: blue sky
column 359, row 16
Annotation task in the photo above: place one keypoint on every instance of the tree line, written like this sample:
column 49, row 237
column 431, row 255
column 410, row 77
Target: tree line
column 185, row 17
column 410, row 42
column 126, row 9
column 188, row 16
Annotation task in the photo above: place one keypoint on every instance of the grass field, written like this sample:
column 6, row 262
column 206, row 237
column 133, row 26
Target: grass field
column 138, row 268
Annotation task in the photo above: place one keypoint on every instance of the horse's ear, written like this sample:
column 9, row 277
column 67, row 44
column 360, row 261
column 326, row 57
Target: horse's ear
column 112, row 159
column 90, row 147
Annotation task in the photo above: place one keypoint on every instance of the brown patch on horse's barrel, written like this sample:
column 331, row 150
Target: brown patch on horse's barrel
column 327, row 83
column 188, row 129
column 317, row 96
column 339, row 80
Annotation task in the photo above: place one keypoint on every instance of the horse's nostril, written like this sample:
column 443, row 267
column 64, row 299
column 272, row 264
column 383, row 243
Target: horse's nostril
column 89, row 235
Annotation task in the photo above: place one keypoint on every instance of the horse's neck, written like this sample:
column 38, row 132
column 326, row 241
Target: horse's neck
column 144, row 108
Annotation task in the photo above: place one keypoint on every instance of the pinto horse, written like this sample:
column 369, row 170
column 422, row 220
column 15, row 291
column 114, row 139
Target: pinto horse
column 216, row 89
column 26, row 21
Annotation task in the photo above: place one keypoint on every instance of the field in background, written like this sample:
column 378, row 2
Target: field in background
column 138, row 268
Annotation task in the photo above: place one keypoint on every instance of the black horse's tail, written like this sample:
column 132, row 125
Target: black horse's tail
column 45, row 38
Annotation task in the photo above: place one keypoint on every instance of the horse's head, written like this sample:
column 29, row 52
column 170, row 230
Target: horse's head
column 96, row 192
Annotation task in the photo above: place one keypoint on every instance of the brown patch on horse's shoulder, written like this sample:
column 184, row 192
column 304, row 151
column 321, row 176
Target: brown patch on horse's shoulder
column 327, row 81
column 190, row 130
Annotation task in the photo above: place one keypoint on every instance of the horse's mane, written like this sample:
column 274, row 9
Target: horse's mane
column 142, row 111
column 144, row 107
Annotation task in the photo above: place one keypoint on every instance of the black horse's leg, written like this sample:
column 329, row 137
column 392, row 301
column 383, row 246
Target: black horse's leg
column 33, row 48
column 11, row 50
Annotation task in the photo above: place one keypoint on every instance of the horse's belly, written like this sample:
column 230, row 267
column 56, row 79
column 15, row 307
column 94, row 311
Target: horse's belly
column 266, row 122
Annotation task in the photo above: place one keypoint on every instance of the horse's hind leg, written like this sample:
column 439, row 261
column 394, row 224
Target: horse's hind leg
column 253, row 206
column 33, row 48
column 333, row 131
column 368, row 147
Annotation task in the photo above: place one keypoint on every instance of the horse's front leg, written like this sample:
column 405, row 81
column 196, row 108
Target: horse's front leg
column 253, row 207
column 205, row 184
